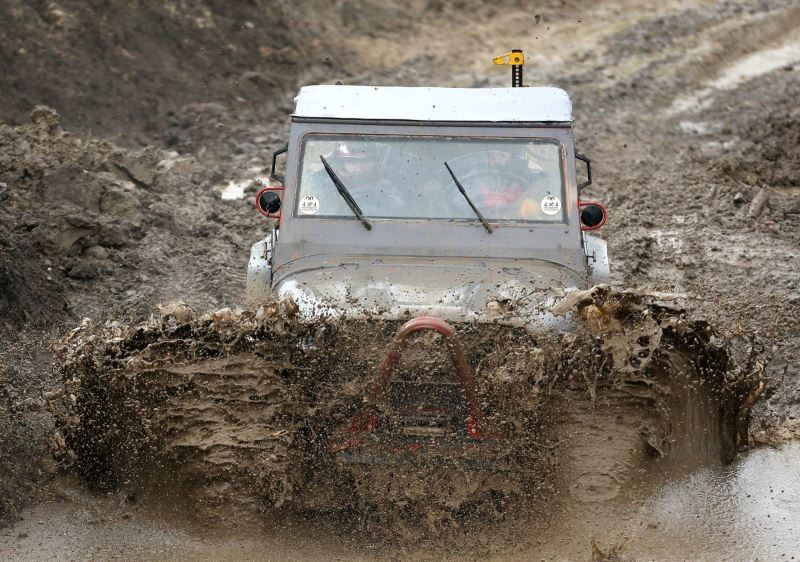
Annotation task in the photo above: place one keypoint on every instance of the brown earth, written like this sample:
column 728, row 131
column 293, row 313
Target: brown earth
column 702, row 195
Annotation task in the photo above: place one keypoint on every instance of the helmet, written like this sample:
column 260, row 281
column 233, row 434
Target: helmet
column 355, row 151
column 357, row 162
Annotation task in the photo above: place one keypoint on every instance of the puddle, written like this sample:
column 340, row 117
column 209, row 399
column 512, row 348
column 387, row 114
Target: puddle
column 746, row 68
column 749, row 510
column 746, row 511
column 756, row 64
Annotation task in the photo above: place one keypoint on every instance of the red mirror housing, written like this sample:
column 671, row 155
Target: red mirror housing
column 269, row 202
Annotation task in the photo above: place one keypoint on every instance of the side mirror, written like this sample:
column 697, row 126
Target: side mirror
column 274, row 171
column 593, row 215
column 269, row 201
column 585, row 159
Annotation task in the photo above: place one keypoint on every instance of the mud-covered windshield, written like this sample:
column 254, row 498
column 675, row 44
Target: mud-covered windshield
column 406, row 177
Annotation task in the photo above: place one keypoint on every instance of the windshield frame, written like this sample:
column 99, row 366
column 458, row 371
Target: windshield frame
column 431, row 134
column 336, row 239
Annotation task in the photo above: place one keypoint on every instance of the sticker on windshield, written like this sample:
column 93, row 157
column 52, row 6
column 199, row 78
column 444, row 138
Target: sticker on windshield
column 309, row 205
column 551, row 205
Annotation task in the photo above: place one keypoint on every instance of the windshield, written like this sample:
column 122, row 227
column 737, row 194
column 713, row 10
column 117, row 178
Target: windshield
column 406, row 177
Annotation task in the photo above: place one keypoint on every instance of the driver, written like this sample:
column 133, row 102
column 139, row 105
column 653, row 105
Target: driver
column 356, row 164
column 513, row 193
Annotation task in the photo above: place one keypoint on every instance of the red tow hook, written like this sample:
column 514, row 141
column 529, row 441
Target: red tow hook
column 366, row 421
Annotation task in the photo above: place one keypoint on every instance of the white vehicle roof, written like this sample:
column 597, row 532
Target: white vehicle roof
column 434, row 104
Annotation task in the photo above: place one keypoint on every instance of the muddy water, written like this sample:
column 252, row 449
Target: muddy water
column 745, row 511
column 749, row 510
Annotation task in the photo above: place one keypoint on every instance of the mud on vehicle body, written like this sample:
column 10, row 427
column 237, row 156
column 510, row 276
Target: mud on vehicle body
column 426, row 252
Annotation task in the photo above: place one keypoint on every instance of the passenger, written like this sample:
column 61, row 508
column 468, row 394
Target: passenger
column 520, row 200
column 504, row 184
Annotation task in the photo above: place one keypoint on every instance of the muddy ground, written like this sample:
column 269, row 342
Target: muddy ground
column 689, row 111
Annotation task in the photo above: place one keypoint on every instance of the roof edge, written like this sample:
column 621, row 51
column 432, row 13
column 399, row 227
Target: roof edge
column 425, row 104
column 439, row 123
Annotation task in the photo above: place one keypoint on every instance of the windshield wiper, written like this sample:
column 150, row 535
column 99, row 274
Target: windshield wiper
column 345, row 194
column 471, row 204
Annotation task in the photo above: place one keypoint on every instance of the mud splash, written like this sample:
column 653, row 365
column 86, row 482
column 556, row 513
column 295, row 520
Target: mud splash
column 247, row 409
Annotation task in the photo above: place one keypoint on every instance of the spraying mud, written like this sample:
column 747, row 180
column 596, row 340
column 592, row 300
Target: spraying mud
column 251, row 410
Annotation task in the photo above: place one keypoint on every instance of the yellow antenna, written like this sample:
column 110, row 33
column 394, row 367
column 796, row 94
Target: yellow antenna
column 516, row 59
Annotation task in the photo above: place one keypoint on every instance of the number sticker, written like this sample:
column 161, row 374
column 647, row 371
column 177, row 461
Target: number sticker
column 551, row 205
column 309, row 205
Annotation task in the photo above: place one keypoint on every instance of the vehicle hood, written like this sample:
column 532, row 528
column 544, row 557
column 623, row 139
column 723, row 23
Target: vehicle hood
column 516, row 292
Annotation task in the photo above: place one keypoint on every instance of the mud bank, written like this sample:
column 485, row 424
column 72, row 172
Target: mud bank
column 88, row 226
column 137, row 73
column 84, row 213
column 251, row 410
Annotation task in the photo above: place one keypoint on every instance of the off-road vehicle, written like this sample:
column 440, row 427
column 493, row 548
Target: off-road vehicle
column 446, row 202
column 433, row 205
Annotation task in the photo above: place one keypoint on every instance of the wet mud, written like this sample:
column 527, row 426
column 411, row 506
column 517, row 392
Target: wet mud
column 244, row 410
